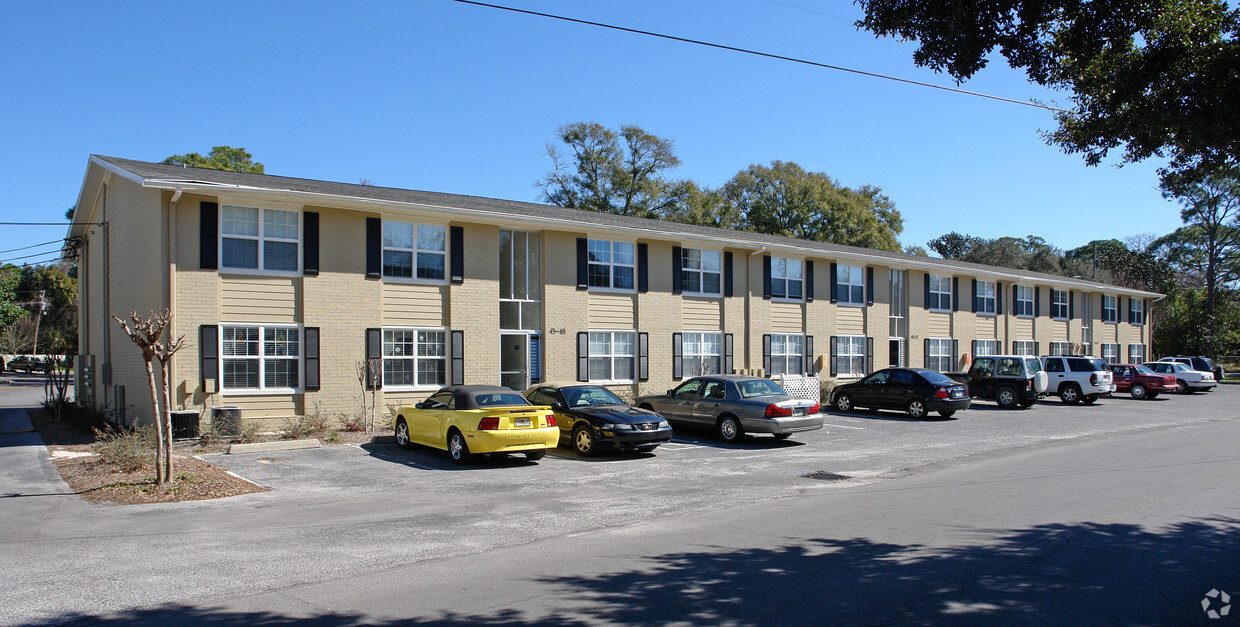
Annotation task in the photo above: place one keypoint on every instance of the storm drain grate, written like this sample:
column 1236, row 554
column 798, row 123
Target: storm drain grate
column 823, row 475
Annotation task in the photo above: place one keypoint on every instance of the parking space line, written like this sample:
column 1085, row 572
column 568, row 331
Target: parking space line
column 827, row 424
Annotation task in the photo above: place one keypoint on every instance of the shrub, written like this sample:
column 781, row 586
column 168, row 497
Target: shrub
column 126, row 450
column 249, row 433
column 356, row 422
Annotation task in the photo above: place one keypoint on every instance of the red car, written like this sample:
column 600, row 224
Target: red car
column 1141, row 382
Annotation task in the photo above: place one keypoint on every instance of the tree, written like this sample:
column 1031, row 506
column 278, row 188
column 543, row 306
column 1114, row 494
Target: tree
column 1153, row 77
column 147, row 333
column 10, row 311
column 220, row 158
column 610, row 172
column 58, row 324
column 1209, row 243
column 784, row 199
column 702, row 206
column 1118, row 263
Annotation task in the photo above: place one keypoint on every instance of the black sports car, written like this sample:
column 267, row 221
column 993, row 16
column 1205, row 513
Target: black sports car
column 592, row 418
column 917, row 391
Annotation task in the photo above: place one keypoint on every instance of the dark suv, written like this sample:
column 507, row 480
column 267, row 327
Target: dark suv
column 1201, row 364
column 26, row 364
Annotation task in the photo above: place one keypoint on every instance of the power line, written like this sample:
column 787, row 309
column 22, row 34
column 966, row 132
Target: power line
column 793, row 6
column 762, row 54
column 56, row 254
column 13, row 250
column 50, row 223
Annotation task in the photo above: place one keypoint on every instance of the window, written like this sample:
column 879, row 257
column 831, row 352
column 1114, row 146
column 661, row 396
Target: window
column 985, row 347
column 612, row 355
column 1110, row 353
column 1110, row 309
column 1136, row 353
column 1025, row 347
column 850, row 355
column 939, row 354
column 1060, row 348
column 940, row 293
column 787, row 280
column 612, row 264
column 1024, row 300
column 986, row 297
column 414, row 357
column 701, row 353
column 259, row 239
column 787, row 354
column 1136, row 311
column 701, row 271
column 415, row 251
column 898, row 325
column 1059, row 304
column 260, row 357
column 850, row 285
column 520, row 281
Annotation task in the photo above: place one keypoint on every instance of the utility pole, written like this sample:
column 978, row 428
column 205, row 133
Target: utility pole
column 37, row 319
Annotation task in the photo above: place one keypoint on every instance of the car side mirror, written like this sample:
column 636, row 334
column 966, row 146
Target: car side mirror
column 671, row 392
column 418, row 406
column 557, row 407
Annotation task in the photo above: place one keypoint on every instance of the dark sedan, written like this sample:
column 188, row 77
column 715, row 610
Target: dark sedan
column 917, row 391
column 592, row 418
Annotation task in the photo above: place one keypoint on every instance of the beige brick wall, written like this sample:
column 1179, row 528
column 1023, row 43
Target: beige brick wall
column 660, row 313
column 473, row 306
column 567, row 308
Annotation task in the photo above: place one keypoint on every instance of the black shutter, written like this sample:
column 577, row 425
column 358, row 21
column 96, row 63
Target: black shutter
column 1071, row 305
column 209, row 355
column 310, row 244
column 869, row 285
column 583, row 269
column 955, row 353
column 727, row 274
column 975, row 304
column 209, row 235
column 583, row 353
column 869, row 355
column 766, row 354
column 728, row 366
column 1037, row 301
column 374, row 248
column 1037, row 349
column 809, row 281
column 999, row 301
column 458, row 358
column 925, row 353
column 456, row 237
column 677, row 262
column 312, row 358
column 926, row 298
column 973, row 348
column 643, row 268
column 374, row 355
column 1015, row 300
column 678, row 366
column 835, row 283
column 1130, row 316
column 766, row 277
column 955, row 293
column 809, row 355
column 1145, row 310
column 643, row 356
column 832, row 367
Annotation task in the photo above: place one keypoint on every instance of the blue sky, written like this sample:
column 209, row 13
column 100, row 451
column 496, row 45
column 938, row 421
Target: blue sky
column 442, row 96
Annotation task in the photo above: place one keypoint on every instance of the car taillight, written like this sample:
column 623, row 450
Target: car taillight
column 775, row 411
column 488, row 424
column 815, row 408
column 550, row 420
column 1093, row 378
column 1028, row 384
column 941, row 393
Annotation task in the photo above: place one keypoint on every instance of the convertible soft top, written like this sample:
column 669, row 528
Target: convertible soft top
column 484, row 396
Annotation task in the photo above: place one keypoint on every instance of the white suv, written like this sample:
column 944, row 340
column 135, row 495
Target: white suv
column 1077, row 379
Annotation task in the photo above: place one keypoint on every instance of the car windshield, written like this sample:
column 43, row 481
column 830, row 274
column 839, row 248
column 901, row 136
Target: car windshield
column 759, row 387
column 589, row 396
column 499, row 399
column 1143, row 370
column 938, row 378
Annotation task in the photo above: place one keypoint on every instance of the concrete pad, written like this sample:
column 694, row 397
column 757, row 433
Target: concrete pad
column 265, row 447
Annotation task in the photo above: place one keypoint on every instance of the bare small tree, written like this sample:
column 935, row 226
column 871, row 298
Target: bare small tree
column 367, row 378
column 164, row 353
column 146, row 333
column 18, row 337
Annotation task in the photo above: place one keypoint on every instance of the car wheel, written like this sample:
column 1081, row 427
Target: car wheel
column 782, row 436
column 1006, row 397
column 402, row 434
column 843, row 402
column 534, row 456
column 1181, row 386
column 1070, row 394
column 916, row 408
column 947, row 413
column 1139, row 391
column 730, row 429
column 458, row 449
column 1090, row 399
column 583, row 440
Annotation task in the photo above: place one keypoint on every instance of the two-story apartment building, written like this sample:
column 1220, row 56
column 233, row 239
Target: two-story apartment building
column 283, row 286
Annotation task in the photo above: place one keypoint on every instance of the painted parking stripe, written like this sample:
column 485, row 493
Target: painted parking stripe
column 827, row 424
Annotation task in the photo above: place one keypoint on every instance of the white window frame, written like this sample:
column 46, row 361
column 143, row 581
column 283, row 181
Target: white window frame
column 1060, row 304
column 611, row 355
column 416, row 358
column 698, row 339
column 939, row 293
column 1058, row 349
column 987, row 300
column 786, row 356
column 1026, row 348
column 1025, row 296
column 263, row 358
column 782, row 274
column 1137, row 307
column 849, row 356
column 1109, row 351
column 1110, row 314
column 939, row 354
column 525, row 307
column 982, row 352
column 414, row 250
column 709, row 263
column 592, row 246
column 260, row 238
column 850, row 285
column 1136, row 353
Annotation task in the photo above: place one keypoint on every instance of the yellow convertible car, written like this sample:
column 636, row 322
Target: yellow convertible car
column 472, row 420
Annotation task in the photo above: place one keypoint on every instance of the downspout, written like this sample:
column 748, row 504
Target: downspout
column 172, row 290
column 748, row 310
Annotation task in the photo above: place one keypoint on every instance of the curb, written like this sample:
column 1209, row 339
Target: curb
column 264, row 447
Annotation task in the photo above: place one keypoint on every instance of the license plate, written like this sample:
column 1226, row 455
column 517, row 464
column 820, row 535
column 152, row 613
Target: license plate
column 957, row 394
column 523, row 422
column 798, row 411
